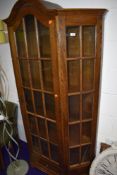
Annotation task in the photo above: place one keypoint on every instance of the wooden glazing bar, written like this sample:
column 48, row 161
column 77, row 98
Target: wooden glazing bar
column 42, row 87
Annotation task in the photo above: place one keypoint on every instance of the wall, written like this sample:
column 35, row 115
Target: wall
column 108, row 101
column 6, row 62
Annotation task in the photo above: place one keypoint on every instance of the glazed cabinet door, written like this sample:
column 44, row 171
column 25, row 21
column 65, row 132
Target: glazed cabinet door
column 80, row 43
column 33, row 41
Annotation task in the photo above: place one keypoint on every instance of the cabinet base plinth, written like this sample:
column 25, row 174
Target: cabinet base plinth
column 46, row 167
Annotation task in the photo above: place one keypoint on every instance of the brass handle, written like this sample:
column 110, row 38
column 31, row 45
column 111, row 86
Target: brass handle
column 56, row 95
column 50, row 22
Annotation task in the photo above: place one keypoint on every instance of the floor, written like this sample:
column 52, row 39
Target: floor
column 23, row 155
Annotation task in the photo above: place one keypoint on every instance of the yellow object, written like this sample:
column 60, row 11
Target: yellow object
column 2, row 37
column 1, row 25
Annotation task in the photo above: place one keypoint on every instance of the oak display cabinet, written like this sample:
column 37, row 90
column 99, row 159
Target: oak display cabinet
column 56, row 56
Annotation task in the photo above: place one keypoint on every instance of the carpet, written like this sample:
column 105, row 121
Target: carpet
column 24, row 154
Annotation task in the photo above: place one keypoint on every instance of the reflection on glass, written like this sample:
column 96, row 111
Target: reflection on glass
column 42, row 128
column 50, row 106
column 47, row 75
column 88, row 74
column 74, row 156
column 74, row 108
column 31, row 36
column 52, row 132
column 35, row 74
column 74, row 134
column 28, row 99
column 38, row 102
column 20, row 41
column 73, row 76
column 54, row 152
column 88, row 36
column 32, row 124
column 85, row 153
column 87, row 106
column 24, row 70
column 73, row 41
column 44, row 147
column 44, row 40
column 35, row 143
column 86, row 132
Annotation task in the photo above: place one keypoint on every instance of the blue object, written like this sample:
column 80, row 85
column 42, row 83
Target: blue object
column 24, row 154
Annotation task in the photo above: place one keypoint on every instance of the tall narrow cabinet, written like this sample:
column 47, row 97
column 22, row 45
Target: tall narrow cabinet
column 56, row 56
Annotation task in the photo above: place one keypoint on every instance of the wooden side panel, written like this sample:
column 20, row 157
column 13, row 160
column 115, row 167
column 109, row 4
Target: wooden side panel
column 55, row 65
column 97, row 80
column 61, row 48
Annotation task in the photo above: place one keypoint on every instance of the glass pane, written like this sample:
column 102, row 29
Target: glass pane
column 87, row 106
column 44, row 147
column 35, row 74
column 42, row 128
column 73, row 76
column 47, row 75
column 32, row 124
column 54, row 152
column 24, row 69
column 74, row 156
column 28, row 98
column 74, row 134
column 86, row 132
column 88, row 74
column 88, row 36
column 52, row 132
column 35, row 143
column 38, row 103
column 44, row 38
column 20, row 41
column 50, row 106
column 73, row 41
column 74, row 108
column 85, row 153
column 31, row 36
